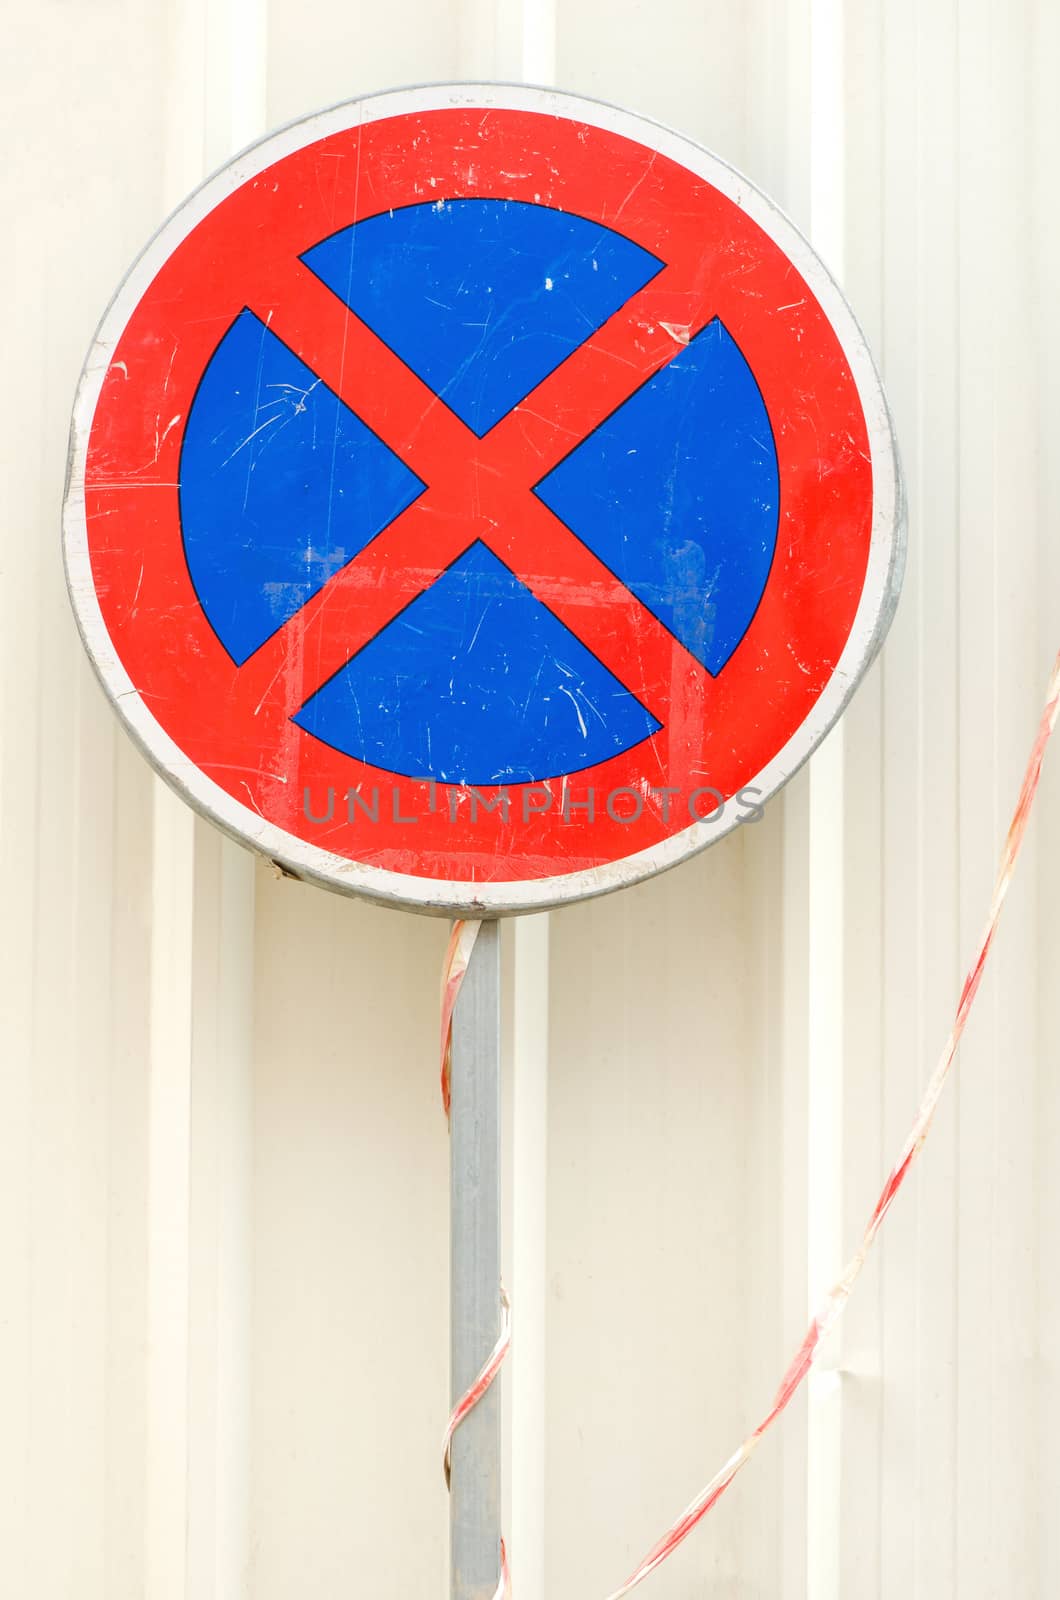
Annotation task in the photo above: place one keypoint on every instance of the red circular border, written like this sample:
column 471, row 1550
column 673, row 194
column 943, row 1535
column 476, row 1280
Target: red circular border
column 719, row 732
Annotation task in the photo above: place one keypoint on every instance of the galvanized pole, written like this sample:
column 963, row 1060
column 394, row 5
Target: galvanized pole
column 475, row 1267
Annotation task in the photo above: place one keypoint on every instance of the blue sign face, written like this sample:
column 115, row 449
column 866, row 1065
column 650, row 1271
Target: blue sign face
column 477, row 681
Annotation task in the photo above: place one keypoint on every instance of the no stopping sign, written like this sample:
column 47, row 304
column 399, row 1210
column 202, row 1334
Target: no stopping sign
column 480, row 498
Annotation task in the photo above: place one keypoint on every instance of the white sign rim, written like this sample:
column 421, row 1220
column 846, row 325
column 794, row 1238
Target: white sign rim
column 430, row 895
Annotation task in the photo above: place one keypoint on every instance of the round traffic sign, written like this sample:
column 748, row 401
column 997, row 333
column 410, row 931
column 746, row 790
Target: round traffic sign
column 480, row 498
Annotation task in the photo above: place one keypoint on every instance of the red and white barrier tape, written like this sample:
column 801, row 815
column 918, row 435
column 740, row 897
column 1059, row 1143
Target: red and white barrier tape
column 834, row 1302
column 458, row 953
column 467, row 1403
column 493, row 1364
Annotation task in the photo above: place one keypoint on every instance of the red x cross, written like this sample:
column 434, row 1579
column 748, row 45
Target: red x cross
column 477, row 488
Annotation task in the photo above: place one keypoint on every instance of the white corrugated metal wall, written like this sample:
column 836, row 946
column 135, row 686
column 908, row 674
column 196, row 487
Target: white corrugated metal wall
column 222, row 1166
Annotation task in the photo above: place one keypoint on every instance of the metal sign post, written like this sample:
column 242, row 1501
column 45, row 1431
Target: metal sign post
column 475, row 1269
